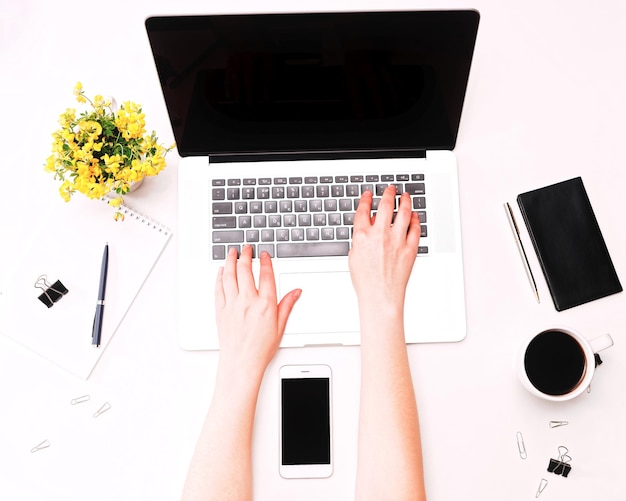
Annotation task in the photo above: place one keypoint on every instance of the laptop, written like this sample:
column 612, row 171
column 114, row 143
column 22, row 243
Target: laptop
column 282, row 121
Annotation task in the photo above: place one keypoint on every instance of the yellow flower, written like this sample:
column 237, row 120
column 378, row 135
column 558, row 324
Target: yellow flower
column 65, row 190
column 78, row 92
column 103, row 150
column 116, row 202
column 118, row 216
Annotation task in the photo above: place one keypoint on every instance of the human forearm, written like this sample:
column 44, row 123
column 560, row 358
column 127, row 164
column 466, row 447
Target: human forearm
column 390, row 456
column 221, row 467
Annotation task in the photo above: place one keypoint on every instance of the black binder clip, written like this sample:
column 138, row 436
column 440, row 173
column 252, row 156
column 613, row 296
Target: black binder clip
column 51, row 293
column 560, row 466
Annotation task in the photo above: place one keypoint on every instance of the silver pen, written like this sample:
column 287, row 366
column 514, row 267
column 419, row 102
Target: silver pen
column 520, row 246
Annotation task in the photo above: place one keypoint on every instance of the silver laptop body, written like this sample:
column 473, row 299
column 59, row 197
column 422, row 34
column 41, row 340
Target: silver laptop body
column 283, row 120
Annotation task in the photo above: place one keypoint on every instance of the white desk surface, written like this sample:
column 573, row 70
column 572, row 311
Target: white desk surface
column 546, row 102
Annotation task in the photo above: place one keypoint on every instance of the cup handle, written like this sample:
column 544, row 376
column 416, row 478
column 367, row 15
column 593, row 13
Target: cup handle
column 601, row 343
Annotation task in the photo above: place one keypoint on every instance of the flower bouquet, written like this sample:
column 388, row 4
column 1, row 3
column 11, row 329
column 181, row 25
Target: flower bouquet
column 103, row 151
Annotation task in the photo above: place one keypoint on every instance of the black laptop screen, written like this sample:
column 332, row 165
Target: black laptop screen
column 241, row 84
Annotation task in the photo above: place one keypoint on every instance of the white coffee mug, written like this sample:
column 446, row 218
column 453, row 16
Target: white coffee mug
column 558, row 363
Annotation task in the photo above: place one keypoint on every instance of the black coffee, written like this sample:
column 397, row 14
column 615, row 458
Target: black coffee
column 554, row 362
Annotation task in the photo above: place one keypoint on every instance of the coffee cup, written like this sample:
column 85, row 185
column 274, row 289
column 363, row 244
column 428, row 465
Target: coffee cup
column 559, row 363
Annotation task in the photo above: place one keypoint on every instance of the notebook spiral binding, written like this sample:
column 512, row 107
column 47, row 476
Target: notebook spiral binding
column 142, row 218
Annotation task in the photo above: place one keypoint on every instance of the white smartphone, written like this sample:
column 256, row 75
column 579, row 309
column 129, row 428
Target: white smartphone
column 305, row 421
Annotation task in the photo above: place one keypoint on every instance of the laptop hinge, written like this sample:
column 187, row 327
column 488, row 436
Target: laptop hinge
column 316, row 155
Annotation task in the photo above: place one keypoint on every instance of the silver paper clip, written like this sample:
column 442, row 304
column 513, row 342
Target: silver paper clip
column 43, row 445
column 556, row 424
column 105, row 407
column 521, row 446
column 542, row 485
column 79, row 400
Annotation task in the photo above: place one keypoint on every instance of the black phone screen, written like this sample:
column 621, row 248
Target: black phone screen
column 305, row 409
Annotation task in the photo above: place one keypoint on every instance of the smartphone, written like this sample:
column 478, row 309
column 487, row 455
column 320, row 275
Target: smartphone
column 305, row 421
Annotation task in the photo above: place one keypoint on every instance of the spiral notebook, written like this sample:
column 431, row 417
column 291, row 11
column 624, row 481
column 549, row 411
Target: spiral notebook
column 69, row 248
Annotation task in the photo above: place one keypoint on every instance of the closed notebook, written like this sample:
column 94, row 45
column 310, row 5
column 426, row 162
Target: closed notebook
column 569, row 244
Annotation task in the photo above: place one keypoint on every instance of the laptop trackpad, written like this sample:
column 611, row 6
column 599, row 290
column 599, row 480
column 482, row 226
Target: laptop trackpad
column 328, row 302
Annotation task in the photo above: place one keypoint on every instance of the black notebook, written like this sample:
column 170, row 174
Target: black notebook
column 569, row 245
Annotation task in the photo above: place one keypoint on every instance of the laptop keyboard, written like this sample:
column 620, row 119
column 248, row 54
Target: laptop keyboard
column 300, row 216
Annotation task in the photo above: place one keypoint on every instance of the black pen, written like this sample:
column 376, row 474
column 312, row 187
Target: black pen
column 97, row 321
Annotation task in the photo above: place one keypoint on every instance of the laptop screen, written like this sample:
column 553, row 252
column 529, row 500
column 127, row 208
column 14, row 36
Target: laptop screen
column 314, row 82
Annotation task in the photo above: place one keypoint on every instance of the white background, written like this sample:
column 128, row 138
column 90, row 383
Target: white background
column 546, row 102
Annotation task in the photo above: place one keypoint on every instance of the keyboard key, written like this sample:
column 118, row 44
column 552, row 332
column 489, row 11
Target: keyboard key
column 224, row 222
column 219, row 252
column 334, row 219
column 219, row 194
column 417, row 177
column 271, row 206
column 265, row 181
column 387, row 178
column 424, row 231
column 219, row 182
column 297, row 234
column 252, row 235
column 315, row 205
column 312, row 249
column 328, row 233
column 282, row 235
column 293, row 192
column 345, row 204
column 352, row 190
column 371, row 179
column 269, row 248
column 330, row 205
column 304, row 220
column 422, row 216
column 263, row 193
column 322, row 191
column 295, row 180
column 289, row 220
column 343, row 233
column 234, row 182
column 337, row 190
column 422, row 249
column 415, row 188
column 348, row 218
column 308, row 191
column 310, row 180
column 402, row 177
column 256, row 207
column 233, row 194
column 227, row 237
column 267, row 235
column 301, row 206
column 312, row 234
column 241, row 207
column 260, row 221
column 278, row 192
column 319, row 219
column 245, row 222
column 222, row 207
column 341, row 179
column 274, row 221
column 280, row 180
column 249, row 182
column 247, row 193
column 419, row 203
column 356, row 179
column 285, row 206
column 326, row 179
